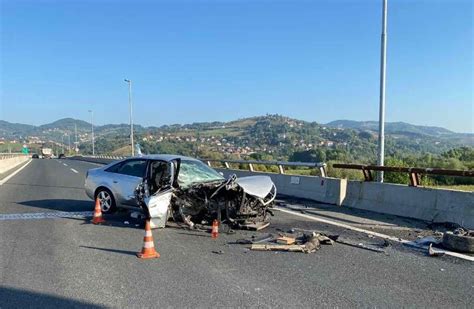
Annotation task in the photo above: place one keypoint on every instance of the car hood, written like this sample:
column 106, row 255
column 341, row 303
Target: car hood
column 259, row 186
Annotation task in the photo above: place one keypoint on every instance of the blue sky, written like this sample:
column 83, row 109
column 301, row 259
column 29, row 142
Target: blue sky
column 193, row 61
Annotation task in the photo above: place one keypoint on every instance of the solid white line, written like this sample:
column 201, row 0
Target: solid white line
column 64, row 164
column 13, row 174
column 380, row 235
column 74, row 171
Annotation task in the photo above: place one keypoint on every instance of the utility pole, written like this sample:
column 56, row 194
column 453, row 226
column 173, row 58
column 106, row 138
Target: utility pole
column 92, row 130
column 131, row 113
column 383, row 64
column 75, row 143
column 68, row 143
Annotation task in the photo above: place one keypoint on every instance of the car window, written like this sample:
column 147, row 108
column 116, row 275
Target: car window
column 114, row 168
column 192, row 172
column 160, row 175
column 134, row 168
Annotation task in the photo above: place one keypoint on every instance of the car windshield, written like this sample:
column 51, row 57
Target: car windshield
column 192, row 172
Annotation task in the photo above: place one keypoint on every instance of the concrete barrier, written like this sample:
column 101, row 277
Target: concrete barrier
column 429, row 204
column 12, row 162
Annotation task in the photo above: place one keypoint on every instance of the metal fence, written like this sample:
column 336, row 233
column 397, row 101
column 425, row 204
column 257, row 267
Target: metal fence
column 321, row 167
column 413, row 172
column 4, row 156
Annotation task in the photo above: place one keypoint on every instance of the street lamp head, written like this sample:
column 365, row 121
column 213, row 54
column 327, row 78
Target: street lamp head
column 127, row 80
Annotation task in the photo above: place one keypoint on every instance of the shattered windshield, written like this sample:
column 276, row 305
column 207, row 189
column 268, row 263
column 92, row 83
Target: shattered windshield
column 192, row 172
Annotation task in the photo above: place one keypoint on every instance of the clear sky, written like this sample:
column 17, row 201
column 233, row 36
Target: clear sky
column 193, row 61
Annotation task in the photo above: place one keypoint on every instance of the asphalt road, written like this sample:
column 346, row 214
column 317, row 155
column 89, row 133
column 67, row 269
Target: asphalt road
column 70, row 262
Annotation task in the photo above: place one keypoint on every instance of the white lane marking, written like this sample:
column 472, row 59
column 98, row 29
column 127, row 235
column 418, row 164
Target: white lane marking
column 74, row 171
column 64, row 164
column 380, row 235
column 46, row 215
column 13, row 174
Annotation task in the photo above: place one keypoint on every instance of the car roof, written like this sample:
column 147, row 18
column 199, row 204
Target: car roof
column 164, row 157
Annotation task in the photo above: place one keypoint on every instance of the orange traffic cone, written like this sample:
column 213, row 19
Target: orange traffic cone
column 215, row 229
column 97, row 219
column 148, row 250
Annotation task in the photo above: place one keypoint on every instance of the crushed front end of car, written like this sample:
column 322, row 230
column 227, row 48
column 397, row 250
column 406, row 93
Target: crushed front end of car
column 243, row 203
column 189, row 191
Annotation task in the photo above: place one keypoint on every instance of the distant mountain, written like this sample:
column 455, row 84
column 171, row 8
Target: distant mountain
column 66, row 124
column 15, row 129
column 390, row 127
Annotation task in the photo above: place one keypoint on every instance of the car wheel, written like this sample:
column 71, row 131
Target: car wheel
column 459, row 243
column 107, row 201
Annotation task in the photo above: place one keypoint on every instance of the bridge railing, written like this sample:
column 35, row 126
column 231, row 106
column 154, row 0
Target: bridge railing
column 321, row 167
column 414, row 173
column 4, row 156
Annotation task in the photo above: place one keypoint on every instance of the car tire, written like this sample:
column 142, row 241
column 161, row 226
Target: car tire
column 459, row 243
column 107, row 200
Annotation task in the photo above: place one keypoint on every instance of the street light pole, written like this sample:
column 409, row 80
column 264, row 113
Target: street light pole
column 383, row 64
column 75, row 143
column 131, row 113
column 92, row 130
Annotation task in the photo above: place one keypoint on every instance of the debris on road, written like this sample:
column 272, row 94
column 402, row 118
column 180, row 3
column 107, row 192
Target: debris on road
column 218, row 252
column 270, row 247
column 434, row 252
column 285, row 240
column 360, row 245
column 255, row 240
column 460, row 240
column 428, row 240
column 307, row 243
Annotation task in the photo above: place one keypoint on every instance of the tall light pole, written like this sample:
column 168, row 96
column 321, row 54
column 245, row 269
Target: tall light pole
column 75, row 142
column 383, row 64
column 68, row 143
column 131, row 113
column 92, row 130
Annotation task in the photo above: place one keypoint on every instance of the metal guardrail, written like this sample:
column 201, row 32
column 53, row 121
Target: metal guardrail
column 413, row 172
column 321, row 167
column 226, row 163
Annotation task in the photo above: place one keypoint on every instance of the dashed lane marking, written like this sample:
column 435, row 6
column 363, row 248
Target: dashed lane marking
column 74, row 171
column 46, row 215
column 64, row 164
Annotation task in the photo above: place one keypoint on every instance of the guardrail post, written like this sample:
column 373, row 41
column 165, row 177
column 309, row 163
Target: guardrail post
column 251, row 167
column 280, row 168
column 322, row 170
column 414, row 179
column 367, row 175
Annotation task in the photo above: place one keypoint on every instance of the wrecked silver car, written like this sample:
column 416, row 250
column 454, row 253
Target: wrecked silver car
column 183, row 189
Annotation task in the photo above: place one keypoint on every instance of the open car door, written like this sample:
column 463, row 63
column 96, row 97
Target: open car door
column 161, row 180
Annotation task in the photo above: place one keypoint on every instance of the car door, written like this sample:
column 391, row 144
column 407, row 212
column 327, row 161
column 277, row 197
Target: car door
column 125, row 179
